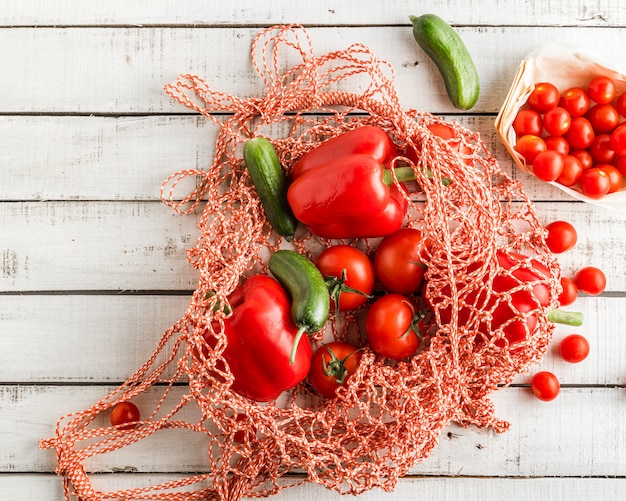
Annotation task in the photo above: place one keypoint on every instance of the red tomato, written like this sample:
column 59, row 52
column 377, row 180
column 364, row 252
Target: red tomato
column 398, row 261
column 332, row 365
column 529, row 147
column 349, row 274
column 620, row 164
column 545, row 386
column 600, row 150
column 590, row 280
column 620, row 104
column 574, row 348
column 580, row 134
column 595, row 183
column 603, row 118
column 394, row 328
column 618, row 139
column 572, row 170
column 557, row 121
column 570, row 292
column 561, row 237
column 575, row 100
column 548, row 165
column 543, row 97
column 527, row 122
column 557, row 143
column 125, row 415
column 584, row 156
column 615, row 176
column 601, row 90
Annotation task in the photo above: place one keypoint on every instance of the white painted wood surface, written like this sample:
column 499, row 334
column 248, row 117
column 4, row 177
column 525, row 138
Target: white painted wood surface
column 93, row 266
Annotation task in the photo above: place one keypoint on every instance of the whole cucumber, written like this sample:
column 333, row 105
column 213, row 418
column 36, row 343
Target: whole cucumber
column 270, row 182
column 445, row 47
column 310, row 300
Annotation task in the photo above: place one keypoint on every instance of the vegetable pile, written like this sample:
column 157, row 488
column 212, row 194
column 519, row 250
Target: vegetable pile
column 416, row 282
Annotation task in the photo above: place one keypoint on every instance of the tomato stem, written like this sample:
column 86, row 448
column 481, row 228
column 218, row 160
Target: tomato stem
column 565, row 317
column 337, row 286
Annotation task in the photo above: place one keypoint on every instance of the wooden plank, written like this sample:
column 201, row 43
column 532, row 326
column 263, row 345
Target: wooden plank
column 541, row 442
column 123, row 70
column 326, row 12
column 92, row 338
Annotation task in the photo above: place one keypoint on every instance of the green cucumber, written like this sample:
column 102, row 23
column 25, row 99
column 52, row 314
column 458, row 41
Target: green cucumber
column 310, row 301
column 270, row 182
column 445, row 47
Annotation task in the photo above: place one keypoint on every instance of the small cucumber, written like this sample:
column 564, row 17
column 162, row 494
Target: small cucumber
column 310, row 301
column 270, row 182
column 445, row 47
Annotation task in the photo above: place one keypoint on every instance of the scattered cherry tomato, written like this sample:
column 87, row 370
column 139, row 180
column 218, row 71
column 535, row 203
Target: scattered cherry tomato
column 574, row 348
column 600, row 150
column 575, row 100
column 595, row 183
column 125, row 415
column 601, row 89
column 548, row 165
column 332, row 365
column 543, row 97
column 590, row 280
column 529, row 147
column 561, row 237
column 572, row 170
column 545, row 386
column 394, row 327
column 349, row 274
column 620, row 104
column 557, row 121
column 557, row 143
column 580, row 134
column 603, row 118
column 618, row 139
column 615, row 176
column 527, row 122
column 398, row 261
column 570, row 291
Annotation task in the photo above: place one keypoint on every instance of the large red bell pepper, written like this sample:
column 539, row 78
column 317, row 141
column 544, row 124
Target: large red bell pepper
column 341, row 189
column 260, row 335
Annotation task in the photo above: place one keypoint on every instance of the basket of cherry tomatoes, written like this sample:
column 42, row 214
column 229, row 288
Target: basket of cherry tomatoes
column 564, row 122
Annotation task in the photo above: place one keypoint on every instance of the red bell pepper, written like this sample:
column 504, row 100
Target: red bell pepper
column 341, row 188
column 260, row 335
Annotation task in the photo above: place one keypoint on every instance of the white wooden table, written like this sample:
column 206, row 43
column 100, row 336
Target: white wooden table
column 93, row 266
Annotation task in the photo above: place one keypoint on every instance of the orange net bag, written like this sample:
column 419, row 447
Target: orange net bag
column 390, row 415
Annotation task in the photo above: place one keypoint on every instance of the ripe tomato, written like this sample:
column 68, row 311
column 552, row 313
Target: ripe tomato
column 349, row 274
column 557, row 143
column 394, row 328
column 584, row 156
column 603, row 118
column 590, row 280
column 576, row 101
column 548, row 165
column 527, row 122
column 601, row 89
column 580, row 134
column 529, row 147
column 398, row 261
column 332, row 365
column 570, row 292
column 561, row 237
column 545, row 386
column 615, row 176
column 620, row 104
column 557, row 121
column 600, row 150
column 620, row 164
column 543, row 97
column 574, row 348
column 125, row 415
column 572, row 170
column 618, row 139
column 595, row 183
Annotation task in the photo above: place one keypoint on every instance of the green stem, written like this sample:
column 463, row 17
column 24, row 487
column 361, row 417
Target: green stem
column 296, row 342
column 565, row 317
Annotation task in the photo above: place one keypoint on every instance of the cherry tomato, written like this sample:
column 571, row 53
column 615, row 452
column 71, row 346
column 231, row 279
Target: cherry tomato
column 545, row 386
column 332, row 365
column 580, row 134
column 570, row 291
column 620, row 104
column 548, row 165
column 603, row 118
column 398, row 261
column 620, row 164
column 125, row 415
column 574, row 348
column 557, row 143
column 527, row 122
column 572, row 170
column 600, row 150
column 557, row 121
column 543, row 97
column 584, row 156
column 529, row 147
column 393, row 326
column 561, row 237
column 595, row 183
column 615, row 176
column 618, row 139
column 601, row 89
column 349, row 274
column 576, row 101
column 590, row 280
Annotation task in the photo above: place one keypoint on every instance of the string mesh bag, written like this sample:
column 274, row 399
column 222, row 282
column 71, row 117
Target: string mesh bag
column 389, row 415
